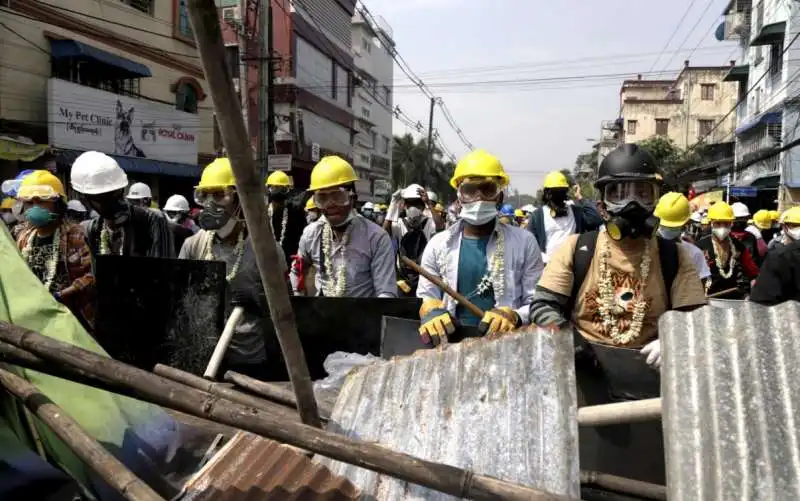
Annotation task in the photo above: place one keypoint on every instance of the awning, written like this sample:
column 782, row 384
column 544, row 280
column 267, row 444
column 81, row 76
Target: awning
column 738, row 74
column 770, row 34
column 66, row 48
column 766, row 118
column 141, row 165
column 765, row 181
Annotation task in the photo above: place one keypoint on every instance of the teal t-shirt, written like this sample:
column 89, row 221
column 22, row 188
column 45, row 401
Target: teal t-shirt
column 472, row 266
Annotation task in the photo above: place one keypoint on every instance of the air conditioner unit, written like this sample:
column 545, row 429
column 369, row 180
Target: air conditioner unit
column 232, row 14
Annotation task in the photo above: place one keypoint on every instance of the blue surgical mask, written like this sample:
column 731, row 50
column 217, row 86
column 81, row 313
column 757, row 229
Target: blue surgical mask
column 39, row 216
column 478, row 213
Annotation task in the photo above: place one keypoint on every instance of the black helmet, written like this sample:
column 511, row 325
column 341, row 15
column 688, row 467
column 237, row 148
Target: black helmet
column 628, row 162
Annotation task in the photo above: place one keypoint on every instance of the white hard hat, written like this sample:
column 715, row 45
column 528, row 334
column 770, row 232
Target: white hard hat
column 94, row 173
column 368, row 206
column 740, row 210
column 411, row 191
column 697, row 216
column 528, row 208
column 433, row 197
column 139, row 191
column 177, row 203
column 75, row 205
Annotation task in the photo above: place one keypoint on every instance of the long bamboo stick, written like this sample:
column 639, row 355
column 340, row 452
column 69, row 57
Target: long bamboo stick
column 460, row 298
column 78, row 440
column 162, row 391
column 272, row 392
column 620, row 412
column 624, row 485
column 205, row 20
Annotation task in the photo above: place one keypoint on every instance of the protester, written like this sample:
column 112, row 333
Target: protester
column 506, row 215
column 284, row 213
column 673, row 212
column 177, row 211
column 739, row 231
column 779, row 279
column 312, row 211
column 76, row 212
column 139, row 194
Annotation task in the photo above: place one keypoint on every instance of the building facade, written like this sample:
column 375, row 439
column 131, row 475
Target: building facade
column 122, row 77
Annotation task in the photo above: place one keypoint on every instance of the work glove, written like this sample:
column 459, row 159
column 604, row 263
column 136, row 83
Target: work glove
column 436, row 322
column 652, row 351
column 393, row 212
column 404, row 286
column 499, row 321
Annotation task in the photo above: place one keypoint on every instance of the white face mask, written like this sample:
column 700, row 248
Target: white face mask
column 413, row 213
column 794, row 233
column 721, row 232
column 478, row 213
column 669, row 233
column 311, row 217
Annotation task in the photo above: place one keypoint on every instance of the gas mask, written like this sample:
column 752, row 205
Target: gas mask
column 478, row 213
column 110, row 207
column 413, row 215
column 556, row 198
column 216, row 218
column 630, row 207
column 278, row 194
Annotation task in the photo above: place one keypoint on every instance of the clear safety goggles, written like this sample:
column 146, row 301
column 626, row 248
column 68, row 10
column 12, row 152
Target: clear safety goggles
column 42, row 192
column 622, row 193
column 10, row 186
column 473, row 189
column 336, row 197
column 220, row 196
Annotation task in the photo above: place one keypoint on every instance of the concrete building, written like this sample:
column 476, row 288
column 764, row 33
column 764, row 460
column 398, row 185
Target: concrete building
column 122, row 77
column 373, row 102
column 769, row 113
column 611, row 136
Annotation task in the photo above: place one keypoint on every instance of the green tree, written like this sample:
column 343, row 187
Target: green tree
column 410, row 165
column 672, row 159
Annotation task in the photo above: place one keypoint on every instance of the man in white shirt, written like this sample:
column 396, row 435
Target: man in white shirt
column 674, row 213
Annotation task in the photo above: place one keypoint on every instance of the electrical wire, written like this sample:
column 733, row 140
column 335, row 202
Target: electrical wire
column 674, row 32
column 691, row 31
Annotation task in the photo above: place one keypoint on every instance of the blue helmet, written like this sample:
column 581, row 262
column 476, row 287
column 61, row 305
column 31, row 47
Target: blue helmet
column 10, row 186
column 507, row 210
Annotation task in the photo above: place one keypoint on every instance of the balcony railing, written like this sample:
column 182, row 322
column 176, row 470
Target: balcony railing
column 737, row 25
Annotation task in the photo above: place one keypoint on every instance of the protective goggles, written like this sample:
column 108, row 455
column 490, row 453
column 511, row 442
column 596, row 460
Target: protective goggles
column 336, row 197
column 474, row 189
column 40, row 191
column 220, row 196
column 622, row 193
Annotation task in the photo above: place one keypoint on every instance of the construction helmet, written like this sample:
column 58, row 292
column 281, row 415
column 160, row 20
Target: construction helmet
column 705, row 221
column 556, row 179
column 439, row 208
column 762, row 219
column 10, row 186
column 310, row 204
column 479, row 163
column 519, row 213
column 628, row 162
column 7, row 204
column 791, row 216
column 673, row 210
column 95, row 173
column 217, row 175
column 721, row 212
column 41, row 184
column 740, row 210
column 177, row 203
column 411, row 191
column 139, row 191
column 279, row 178
column 507, row 210
column 76, row 205
column 433, row 197
column 332, row 171
column 774, row 215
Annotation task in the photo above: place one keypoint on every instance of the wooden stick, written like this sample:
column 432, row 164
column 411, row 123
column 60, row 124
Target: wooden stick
column 162, row 391
column 624, row 485
column 463, row 301
column 204, row 17
column 634, row 411
column 78, row 440
column 222, row 344
column 271, row 392
column 722, row 293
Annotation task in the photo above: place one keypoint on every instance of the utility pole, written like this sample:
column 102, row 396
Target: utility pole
column 241, row 30
column 430, row 139
column 270, row 80
column 263, row 80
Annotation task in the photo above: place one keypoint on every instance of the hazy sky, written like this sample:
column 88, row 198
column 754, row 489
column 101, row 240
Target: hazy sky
column 538, row 126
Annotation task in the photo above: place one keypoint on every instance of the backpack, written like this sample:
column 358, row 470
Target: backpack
column 411, row 246
column 667, row 251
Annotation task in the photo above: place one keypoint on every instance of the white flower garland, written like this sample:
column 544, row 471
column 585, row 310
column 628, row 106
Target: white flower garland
column 495, row 276
column 335, row 282
column 105, row 240
column 718, row 260
column 208, row 254
column 284, row 222
column 52, row 259
column 607, row 297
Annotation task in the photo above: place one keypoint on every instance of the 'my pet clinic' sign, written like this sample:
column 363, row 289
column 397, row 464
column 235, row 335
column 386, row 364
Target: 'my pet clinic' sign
column 84, row 118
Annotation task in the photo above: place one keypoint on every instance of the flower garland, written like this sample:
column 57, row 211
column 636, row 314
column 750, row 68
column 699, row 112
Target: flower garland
column 718, row 251
column 52, row 259
column 284, row 222
column 334, row 286
column 607, row 299
column 494, row 278
column 105, row 240
column 208, row 254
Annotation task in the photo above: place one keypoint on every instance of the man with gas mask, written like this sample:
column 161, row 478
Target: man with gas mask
column 613, row 284
column 410, row 233
column 555, row 220
column 494, row 265
column 54, row 247
column 732, row 265
column 284, row 214
column 352, row 256
column 180, row 224
column 121, row 229
column 673, row 213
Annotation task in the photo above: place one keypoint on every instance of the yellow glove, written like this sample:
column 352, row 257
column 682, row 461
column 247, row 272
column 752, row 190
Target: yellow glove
column 403, row 286
column 436, row 321
column 499, row 321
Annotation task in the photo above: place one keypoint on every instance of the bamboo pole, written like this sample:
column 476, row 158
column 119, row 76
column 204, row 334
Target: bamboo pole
column 624, row 485
column 162, row 391
column 96, row 457
column 223, row 343
column 272, row 392
column 722, row 293
column 634, row 411
column 205, row 20
column 460, row 298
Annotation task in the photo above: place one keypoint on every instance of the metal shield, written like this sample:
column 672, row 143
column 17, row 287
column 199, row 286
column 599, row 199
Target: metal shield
column 400, row 336
column 153, row 310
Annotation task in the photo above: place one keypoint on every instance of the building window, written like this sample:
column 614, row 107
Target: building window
column 234, row 65
column 662, row 126
column 184, row 26
column 365, row 112
column 95, row 75
column 776, row 59
column 374, row 138
column 385, row 145
column 145, row 6
column 364, row 158
column 707, row 92
column 186, row 98
column 367, row 44
column 333, row 80
column 704, row 128
column 387, row 95
column 632, row 127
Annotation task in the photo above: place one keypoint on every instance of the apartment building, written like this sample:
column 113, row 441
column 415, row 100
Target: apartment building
column 119, row 76
column 769, row 108
column 373, row 47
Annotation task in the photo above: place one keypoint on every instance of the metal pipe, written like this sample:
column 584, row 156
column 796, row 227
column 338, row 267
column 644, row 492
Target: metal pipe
column 620, row 413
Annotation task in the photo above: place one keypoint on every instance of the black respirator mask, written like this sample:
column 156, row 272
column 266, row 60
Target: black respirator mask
column 556, row 198
column 278, row 194
column 631, row 221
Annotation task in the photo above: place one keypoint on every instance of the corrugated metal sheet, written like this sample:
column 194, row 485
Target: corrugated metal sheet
column 252, row 468
column 504, row 408
column 731, row 390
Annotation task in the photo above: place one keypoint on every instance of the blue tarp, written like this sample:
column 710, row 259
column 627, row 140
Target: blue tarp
column 766, row 118
column 142, row 165
column 72, row 48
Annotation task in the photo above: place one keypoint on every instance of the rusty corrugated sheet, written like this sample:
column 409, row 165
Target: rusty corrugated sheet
column 731, row 403
column 252, row 468
column 504, row 408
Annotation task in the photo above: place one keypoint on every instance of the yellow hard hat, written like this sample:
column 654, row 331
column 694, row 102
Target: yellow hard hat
column 774, row 215
column 762, row 219
column 556, row 179
column 279, row 178
column 721, row 212
column 673, row 210
column 479, row 163
column 310, row 204
column 41, row 184
column 217, row 175
column 7, row 203
column 437, row 207
column 330, row 172
column 519, row 213
column 792, row 216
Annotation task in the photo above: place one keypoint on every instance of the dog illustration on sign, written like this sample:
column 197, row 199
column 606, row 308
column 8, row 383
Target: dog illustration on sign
column 123, row 138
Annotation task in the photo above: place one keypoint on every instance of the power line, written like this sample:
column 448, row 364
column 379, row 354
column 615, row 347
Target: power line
column 674, row 32
column 694, row 27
